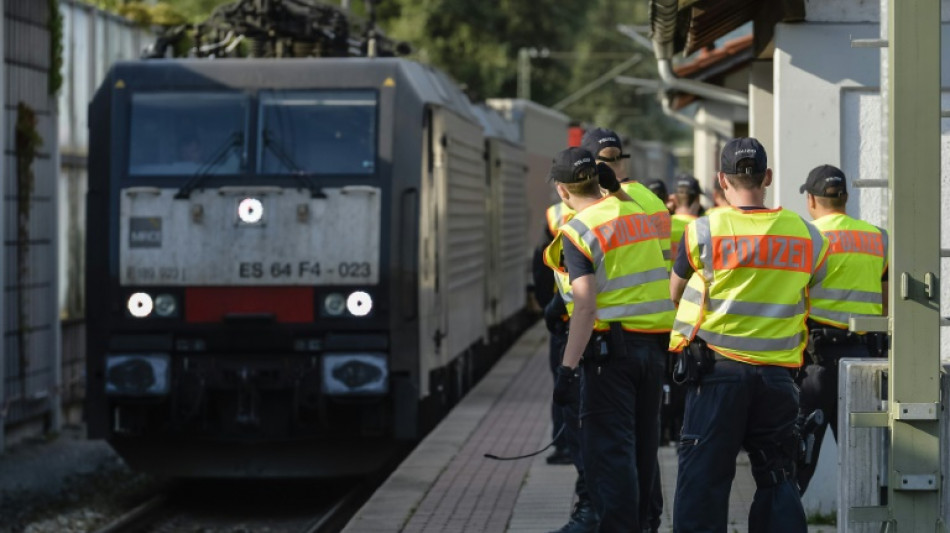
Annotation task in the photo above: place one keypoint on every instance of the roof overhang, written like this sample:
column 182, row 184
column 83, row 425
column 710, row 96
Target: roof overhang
column 713, row 66
column 699, row 23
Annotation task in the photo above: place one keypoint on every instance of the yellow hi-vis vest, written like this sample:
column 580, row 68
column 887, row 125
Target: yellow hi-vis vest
column 857, row 258
column 656, row 208
column 748, row 298
column 562, row 281
column 629, row 269
column 678, row 226
column 557, row 215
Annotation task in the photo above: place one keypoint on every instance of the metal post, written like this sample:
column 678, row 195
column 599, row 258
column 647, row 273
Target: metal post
column 524, row 74
column 913, row 80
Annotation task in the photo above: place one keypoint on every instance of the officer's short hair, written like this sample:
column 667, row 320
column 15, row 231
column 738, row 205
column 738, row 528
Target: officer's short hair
column 588, row 185
column 832, row 203
column 743, row 179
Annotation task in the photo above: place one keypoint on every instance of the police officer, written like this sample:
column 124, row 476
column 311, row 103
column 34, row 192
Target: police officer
column 743, row 275
column 607, row 148
column 583, row 519
column 617, row 273
column 687, row 208
column 555, row 317
column 658, row 188
column 855, row 285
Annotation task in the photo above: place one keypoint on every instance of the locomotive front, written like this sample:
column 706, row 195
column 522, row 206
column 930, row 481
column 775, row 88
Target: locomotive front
column 239, row 267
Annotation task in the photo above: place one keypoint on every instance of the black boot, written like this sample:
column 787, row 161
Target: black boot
column 583, row 520
column 561, row 456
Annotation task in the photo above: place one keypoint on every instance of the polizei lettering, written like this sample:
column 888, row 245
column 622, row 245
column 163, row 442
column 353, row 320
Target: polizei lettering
column 625, row 230
column 858, row 242
column 762, row 251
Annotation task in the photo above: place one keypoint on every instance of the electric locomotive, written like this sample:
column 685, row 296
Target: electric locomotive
column 294, row 264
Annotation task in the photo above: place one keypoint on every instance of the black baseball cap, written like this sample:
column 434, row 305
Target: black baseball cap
column 658, row 188
column 743, row 148
column 688, row 182
column 826, row 181
column 597, row 139
column 568, row 164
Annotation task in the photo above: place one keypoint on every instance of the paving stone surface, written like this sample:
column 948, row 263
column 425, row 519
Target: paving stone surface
column 447, row 485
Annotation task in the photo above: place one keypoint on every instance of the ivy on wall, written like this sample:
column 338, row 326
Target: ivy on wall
column 27, row 144
column 55, row 47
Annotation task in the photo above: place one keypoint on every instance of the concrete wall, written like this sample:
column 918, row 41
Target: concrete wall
column 828, row 109
column 30, row 357
column 707, row 143
column 814, row 66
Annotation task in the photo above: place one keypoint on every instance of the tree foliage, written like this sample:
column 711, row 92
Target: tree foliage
column 477, row 43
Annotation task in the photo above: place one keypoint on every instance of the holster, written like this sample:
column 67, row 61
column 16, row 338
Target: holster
column 693, row 363
column 607, row 345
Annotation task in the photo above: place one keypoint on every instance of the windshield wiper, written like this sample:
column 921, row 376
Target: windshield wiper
column 286, row 160
column 234, row 140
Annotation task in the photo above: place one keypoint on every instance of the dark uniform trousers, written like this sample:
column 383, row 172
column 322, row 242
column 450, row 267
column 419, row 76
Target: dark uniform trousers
column 556, row 352
column 735, row 406
column 568, row 416
column 819, row 386
column 619, row 416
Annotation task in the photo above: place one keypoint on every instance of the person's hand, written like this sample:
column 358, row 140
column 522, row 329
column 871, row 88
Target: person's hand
column 607, row 178
column 565, row 386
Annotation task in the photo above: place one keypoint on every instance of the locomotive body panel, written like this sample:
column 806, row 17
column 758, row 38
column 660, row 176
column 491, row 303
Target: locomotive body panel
column 253, row 236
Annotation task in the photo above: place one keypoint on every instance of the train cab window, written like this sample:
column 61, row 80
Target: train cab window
column 317, row 132
column 182, row 134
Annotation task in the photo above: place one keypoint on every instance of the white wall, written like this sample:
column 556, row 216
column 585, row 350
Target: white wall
column 814, row 65
column 828, row 109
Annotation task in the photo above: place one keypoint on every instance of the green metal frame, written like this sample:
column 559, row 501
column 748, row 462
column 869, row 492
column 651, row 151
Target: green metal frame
column 914, row 164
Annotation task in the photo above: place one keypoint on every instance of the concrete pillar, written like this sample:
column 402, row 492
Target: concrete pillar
column 715, row 119
column 762, row 112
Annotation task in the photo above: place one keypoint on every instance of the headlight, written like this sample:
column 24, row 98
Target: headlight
column 165, row 305
column 334, row 304
column 250, row 210
column 359, row 303
column 140, row 305
column 349, row 374
column 137, row 375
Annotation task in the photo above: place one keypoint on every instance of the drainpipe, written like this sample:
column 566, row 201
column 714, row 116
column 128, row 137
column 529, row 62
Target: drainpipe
column 705, row 90
column 664, row 27
column 690, row 121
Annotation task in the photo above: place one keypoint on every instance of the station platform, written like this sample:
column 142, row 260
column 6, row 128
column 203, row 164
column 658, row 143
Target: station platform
column 447, row 485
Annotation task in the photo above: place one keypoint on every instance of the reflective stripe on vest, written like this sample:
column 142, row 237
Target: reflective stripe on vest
column 629, row 269
column 679, row 223
column 857, row 259
column 748, row 293
column 552, row 258
column 656, row 208
column 557, row 215
column 689, row 313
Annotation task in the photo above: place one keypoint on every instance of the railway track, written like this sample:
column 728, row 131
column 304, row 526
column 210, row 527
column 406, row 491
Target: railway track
column 247, row 506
